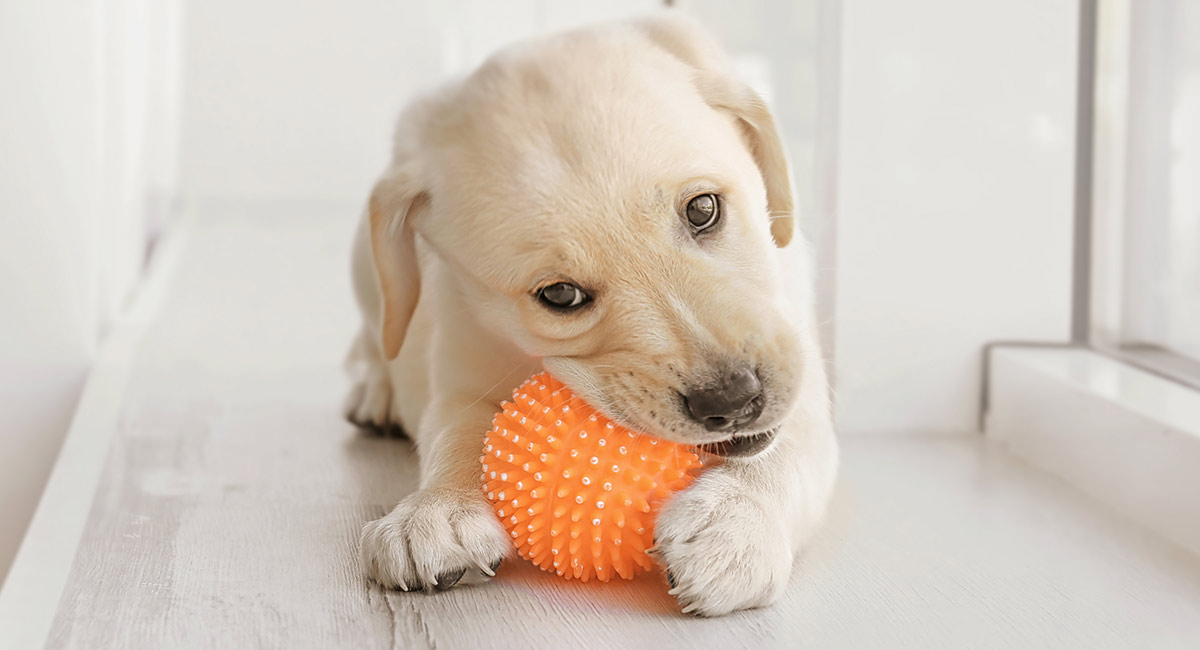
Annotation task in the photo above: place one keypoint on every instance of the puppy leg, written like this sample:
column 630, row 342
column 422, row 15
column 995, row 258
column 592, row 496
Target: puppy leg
column 369, row 403
column 446, row 532
column 729, row 540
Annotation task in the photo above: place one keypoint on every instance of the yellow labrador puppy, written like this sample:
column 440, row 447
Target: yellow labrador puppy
column 606, row 204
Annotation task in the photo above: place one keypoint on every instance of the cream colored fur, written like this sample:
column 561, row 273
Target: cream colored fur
column 571, row 158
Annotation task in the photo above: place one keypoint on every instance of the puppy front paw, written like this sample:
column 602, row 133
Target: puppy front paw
column 434, row 539
column 722, row 550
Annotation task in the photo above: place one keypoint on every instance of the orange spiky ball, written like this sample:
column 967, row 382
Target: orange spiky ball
column 577, row 492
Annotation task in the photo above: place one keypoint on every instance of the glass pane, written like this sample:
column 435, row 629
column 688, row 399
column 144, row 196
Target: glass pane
column 1160, row 281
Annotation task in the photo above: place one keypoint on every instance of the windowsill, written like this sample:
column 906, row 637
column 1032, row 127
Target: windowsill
column 1123, row 435
column 1158, row 360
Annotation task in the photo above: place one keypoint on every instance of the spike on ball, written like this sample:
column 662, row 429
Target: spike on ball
column 594, row 485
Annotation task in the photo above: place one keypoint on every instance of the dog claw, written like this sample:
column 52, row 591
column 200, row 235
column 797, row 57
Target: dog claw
column 489, row 571
column 448, row 579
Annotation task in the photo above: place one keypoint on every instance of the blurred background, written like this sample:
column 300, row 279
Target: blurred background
column 967, row 172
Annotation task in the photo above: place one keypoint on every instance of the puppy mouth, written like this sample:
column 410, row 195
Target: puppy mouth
column 741, row 446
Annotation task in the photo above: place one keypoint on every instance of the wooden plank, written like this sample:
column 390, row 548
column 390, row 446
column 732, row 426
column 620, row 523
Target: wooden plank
column 230, row 500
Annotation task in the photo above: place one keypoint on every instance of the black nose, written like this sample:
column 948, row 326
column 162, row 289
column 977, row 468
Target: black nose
column 734, row 400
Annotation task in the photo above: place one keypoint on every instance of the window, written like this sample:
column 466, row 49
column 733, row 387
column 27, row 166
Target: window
column 1146, row 186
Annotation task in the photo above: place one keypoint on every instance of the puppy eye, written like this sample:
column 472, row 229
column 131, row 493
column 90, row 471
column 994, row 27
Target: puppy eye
column 703, row 212
column 563, row 296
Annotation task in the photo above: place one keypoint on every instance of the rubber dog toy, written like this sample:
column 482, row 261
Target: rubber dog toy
column 577, row 492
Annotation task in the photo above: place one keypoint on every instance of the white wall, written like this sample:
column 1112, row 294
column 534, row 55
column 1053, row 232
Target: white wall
column 296, row 99
column 73, row 189
column 955, row 200
column 49, row 181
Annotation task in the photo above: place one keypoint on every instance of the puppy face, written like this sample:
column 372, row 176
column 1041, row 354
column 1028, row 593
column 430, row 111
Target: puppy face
column 604, row 215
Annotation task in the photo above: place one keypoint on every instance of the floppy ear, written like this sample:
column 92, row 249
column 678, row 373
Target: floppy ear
column 394, row 199
column 686, row 39
column 762, row 139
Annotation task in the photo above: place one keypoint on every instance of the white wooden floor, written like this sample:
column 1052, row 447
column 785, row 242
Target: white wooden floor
column 228, row 505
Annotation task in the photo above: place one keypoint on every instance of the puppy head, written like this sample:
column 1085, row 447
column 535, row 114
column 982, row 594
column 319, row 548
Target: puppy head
column 609, row 202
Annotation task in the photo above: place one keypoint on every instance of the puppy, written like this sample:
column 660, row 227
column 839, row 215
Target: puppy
column 605, row 204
